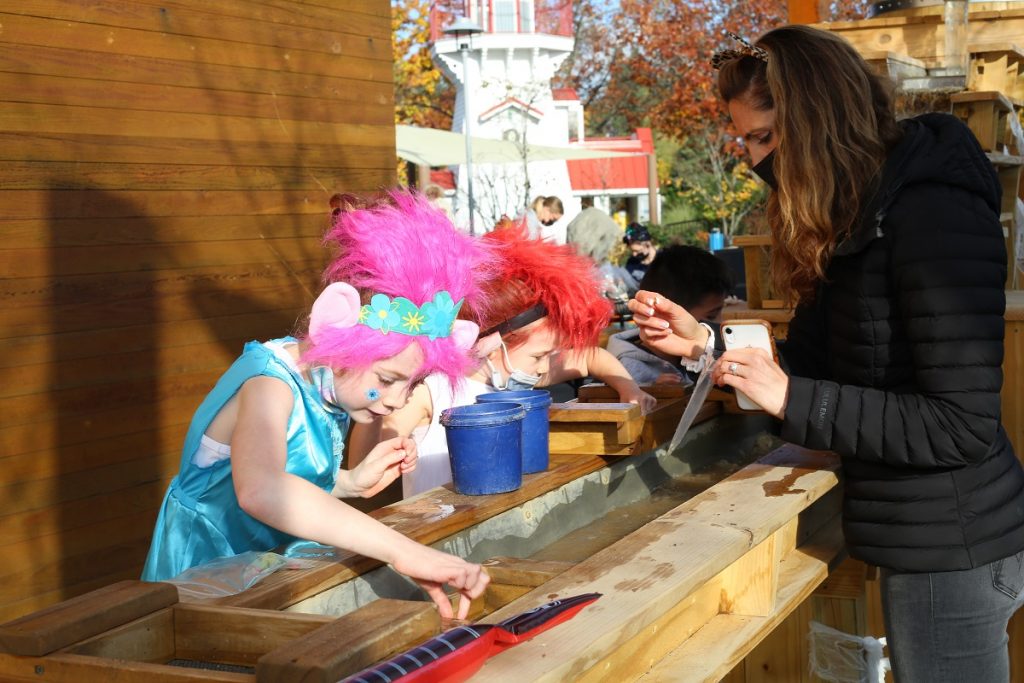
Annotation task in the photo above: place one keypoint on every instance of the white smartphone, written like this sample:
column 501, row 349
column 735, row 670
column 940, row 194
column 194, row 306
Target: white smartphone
column 739, row 334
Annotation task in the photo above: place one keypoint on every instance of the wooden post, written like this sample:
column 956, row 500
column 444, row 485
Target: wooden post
column 803, row 12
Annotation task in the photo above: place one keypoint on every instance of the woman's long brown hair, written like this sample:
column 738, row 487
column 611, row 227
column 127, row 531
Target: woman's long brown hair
column 834, row 123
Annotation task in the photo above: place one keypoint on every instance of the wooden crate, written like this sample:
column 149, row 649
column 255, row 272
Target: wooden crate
column 595, row 425
column 998, row 67
column 756, row 256
column 137, row 632
column 987, row 114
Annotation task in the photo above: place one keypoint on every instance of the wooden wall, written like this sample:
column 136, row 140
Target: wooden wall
column 164, row 175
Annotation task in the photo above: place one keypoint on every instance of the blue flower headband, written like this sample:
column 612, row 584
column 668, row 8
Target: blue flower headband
column 433, row 319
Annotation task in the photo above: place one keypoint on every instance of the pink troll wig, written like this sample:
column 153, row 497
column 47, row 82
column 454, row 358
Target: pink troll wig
column 400, row 246
column 536, row 271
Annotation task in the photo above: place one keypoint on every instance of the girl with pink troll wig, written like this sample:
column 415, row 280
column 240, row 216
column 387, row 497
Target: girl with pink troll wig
column 261, row 465
column 544, row 313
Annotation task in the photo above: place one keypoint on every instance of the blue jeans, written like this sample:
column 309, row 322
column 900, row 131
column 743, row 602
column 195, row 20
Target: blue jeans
column 950, row 627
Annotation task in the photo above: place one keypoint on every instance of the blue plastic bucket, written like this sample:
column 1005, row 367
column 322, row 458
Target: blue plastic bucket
column 485, row 447
column 535, row 424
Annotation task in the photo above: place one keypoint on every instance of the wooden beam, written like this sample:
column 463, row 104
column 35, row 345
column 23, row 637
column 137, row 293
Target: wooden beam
column 351, row 643
column 87, row 615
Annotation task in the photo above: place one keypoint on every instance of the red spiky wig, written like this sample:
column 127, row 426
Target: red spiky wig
column 536, row 271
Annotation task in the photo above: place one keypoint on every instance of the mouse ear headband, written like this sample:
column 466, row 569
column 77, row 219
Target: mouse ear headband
column 338, row 307
column 744, row 49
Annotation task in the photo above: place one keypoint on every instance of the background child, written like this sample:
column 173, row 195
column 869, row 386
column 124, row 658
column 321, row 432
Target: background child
column 261, row 462
column 544, row 314
column 695, row 279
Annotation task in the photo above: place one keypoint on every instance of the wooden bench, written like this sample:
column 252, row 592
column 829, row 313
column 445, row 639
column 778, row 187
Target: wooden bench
column 987, row 114
column 998, row 67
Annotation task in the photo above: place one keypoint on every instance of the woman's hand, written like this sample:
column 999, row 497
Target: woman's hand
column 666, row 326
column 385, row 463
column 432, row 569
column 756, row 374
column 634, row 394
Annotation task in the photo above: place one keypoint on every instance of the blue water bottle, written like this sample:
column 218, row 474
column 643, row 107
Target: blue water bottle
column 716, row 240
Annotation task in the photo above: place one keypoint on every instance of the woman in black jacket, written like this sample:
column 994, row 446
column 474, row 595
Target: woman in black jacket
column 886, row 236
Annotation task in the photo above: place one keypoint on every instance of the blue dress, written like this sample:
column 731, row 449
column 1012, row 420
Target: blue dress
column 200, row 519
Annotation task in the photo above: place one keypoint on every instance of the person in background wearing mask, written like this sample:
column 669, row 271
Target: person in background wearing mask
column 541, row 317
column 641, row 250
column 543, row 213
column 695, row 279
column 886, row 237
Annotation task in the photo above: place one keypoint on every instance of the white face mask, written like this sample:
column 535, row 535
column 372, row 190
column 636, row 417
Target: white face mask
column 517, row 379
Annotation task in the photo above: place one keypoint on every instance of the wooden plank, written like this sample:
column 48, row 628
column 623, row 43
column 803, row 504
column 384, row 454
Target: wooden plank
column 719, row 646
column 593, row 412
column 110, row 550
column 644, row 575
column 230, row 330
column 68, row 668
column 84, row 616
column 171, row 231
column 114, row 422
column 364, row 58
column 235, row 635
column 516, row 571
column 133, row 365
column 59, row 175
column 146, row 639
column 87, row 400
column 61, row 515
column 34, row 117
column 337, row 83
column 156, row 444
column 362, row 17
column 130, row 203
column 63, row 318
column 57, row 147
column 192, row 20
column 39, row 262
column 351, row 643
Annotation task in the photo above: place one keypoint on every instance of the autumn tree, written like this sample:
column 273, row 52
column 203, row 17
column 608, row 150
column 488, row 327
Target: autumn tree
column 423, row 97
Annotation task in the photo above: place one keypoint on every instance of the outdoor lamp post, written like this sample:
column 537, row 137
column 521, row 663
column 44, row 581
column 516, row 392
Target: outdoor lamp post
column 463, row 29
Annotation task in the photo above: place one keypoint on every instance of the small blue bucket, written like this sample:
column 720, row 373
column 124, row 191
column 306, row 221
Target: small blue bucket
column 485, row 447
column 535, row 425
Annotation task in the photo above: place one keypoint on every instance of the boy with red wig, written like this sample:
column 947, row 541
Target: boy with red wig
column 542, row 315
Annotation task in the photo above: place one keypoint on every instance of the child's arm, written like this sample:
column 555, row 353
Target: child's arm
column 298, row 507
column 603, row 366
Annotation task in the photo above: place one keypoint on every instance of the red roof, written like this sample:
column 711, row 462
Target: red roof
column 613, row 173
column 443, row 178
column 564, row 94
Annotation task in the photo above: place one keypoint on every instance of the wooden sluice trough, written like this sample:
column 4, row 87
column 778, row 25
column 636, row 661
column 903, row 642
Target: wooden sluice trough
column 698, row 555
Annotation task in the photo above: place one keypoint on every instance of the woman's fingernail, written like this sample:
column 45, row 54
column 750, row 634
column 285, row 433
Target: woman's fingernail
column 664, row 324
column 650, row 302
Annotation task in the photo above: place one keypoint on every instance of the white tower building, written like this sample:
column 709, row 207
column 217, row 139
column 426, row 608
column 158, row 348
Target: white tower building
column 510, row 67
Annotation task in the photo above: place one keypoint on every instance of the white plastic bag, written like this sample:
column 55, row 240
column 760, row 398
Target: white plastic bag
column 230, row 575
column 845, row 658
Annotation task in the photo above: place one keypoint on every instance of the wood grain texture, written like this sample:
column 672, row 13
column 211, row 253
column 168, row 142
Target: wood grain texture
column 165, row 182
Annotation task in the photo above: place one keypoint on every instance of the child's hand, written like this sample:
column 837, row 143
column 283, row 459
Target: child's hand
column 386, row 462
column 667, row 326
column 432, row 569
column 634, row 394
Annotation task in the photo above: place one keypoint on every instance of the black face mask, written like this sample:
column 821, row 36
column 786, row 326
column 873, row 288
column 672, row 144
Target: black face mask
column 765, row 170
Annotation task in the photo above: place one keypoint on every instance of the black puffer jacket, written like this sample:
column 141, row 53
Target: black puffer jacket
column 896, row 363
